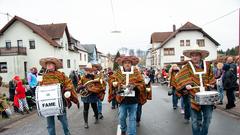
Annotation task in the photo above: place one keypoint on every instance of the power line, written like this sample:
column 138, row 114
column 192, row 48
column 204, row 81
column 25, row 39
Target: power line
column 220, row 17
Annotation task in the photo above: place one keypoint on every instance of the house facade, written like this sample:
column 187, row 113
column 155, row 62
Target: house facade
column 23, row 44
column 168, row 47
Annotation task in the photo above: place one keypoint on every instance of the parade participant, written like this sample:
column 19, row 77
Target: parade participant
column 187, row 79
column 144, row 97
column 52, row 76
column 89, row 90
column 113, row 100
column 74, row 77
column 172, row 72
column 98, row 74
column 32, row 80
column 129, row 85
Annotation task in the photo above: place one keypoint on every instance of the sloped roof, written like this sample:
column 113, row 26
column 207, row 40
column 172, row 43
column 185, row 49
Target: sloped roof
column 54, row 30
column 35, row 28
column 89, row 47
column 186, row 27
column 159, row 37
column 78, row 46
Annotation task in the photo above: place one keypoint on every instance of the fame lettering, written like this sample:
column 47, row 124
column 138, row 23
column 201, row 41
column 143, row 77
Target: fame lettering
column 48, row 104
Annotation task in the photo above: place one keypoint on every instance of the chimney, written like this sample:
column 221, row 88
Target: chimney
column 174, row 27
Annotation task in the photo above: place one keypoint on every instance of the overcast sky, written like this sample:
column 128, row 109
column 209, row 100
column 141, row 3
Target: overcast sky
column 91, row 21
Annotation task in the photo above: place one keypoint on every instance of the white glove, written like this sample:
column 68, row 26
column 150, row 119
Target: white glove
column 67, row 94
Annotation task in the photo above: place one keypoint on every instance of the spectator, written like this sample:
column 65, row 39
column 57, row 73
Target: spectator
column 12, row 88
column 20, row 94
column 230, row 85
column 218, row 73
column 32, row 80
column 4, row 106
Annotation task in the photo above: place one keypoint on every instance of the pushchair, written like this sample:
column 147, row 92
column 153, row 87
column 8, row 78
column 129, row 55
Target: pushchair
column 30, row 100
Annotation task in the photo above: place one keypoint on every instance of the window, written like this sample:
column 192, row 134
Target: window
column 68, row 63
column 19, row 43
column 85, row 57
column 8, row 44
column 66, row 46
column 169, row 51
column 182, row 58
column 200, row 42
column 181, row 42
column 31, row 44
column 188, row 43
column 3, row 67
column 61, row 61
column 80, row 56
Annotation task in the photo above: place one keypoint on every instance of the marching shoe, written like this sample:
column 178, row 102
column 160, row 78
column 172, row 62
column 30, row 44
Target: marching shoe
column 96, row 121
column 123, row 133
column 86, row 125
column 100, row 116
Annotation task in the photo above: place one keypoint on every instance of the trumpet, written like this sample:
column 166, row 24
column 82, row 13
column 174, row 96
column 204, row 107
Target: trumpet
column 88, row 87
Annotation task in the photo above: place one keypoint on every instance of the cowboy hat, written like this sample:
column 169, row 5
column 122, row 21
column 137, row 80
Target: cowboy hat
column 188, row 53
column 88, row 67
column 43, row 62
column 133, row 59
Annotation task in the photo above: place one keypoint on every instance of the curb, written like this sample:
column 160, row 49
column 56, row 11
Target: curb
column 229, row 111
column 10, row 121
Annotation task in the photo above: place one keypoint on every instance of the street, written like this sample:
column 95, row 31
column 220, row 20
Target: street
column 158, row 119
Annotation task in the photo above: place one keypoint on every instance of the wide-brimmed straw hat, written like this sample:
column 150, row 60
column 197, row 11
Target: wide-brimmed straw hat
column 43, row 62
column 188, row 53
column 133, row 59
column 88, row 67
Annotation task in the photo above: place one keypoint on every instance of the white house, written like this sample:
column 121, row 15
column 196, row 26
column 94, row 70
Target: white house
column 149, row 60
column 168, row 47
column 83, row 54
column 23, row 44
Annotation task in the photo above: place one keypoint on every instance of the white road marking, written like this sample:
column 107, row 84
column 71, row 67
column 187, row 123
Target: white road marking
column 118, row 130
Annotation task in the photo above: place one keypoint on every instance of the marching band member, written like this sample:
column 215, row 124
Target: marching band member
column 89, row 91
column 97, row 71
column 52, row 76
column 129, row 85
column 187, row 80
column 144, row 98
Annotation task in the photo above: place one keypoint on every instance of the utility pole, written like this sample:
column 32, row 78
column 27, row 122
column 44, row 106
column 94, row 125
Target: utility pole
column 239, row 52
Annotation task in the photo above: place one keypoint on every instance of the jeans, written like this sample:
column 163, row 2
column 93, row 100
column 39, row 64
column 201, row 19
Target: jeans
column 221, row 92
column 201, row 120
column 51, row 124
column 139, row 112
column 124, row 111
column 174, row 98
column 187, row 107
column 99, row 106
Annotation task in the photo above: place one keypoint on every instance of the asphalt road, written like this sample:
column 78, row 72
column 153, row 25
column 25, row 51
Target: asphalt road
column 158, row 119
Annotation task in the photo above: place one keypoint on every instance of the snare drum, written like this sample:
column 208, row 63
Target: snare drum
column 207, row 97
column 49, row 100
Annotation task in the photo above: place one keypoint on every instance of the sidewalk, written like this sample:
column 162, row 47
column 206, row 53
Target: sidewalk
column 15, row 117
column 234, row 111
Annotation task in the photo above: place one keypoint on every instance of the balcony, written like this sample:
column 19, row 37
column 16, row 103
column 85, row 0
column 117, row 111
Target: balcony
column 12, row 51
